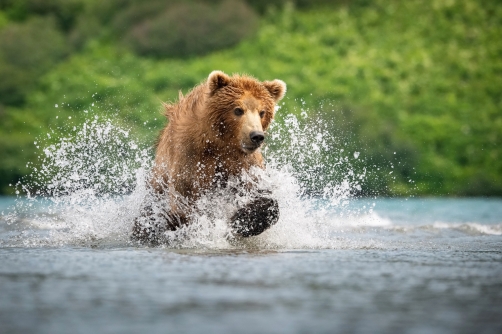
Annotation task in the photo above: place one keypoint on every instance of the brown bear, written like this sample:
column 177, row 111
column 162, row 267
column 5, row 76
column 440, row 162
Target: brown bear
column 215, row 132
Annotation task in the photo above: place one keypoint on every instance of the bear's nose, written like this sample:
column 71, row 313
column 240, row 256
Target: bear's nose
column 257, row 137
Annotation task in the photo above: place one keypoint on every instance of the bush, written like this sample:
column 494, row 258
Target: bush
column 187, row 29
column 64, row 11
column 262, row 6
column 27, row 51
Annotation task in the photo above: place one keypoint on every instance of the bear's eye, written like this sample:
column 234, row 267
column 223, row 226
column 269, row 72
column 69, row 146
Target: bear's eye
column 238, row 112
column 262, row 114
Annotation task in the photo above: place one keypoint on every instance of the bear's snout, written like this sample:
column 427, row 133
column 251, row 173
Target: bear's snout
column 257, row 137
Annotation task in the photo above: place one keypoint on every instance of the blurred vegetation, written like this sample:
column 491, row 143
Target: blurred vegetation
column 27, row 51
column 415, row 87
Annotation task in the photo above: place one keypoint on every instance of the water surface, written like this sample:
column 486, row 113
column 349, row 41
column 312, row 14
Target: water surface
column 376, row 265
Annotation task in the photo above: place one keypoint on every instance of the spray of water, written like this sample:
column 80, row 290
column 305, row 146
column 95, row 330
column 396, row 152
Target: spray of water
column 93, row 182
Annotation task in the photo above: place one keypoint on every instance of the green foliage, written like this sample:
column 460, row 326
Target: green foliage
column 167, row 28
column 65, row 11
column 17, row 133
column 27, row 51
column 415, row 87
column 3, row 20
column 264, row 6
column 186, row 29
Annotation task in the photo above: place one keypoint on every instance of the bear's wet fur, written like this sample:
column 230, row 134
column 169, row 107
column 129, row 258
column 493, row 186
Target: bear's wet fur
column 214, row 132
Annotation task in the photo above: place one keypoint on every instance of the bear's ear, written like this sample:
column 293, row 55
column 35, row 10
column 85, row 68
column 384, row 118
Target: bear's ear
column 217, row 80
column 276, row 88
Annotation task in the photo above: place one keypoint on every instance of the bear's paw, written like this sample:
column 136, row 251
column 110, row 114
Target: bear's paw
column 256, row 217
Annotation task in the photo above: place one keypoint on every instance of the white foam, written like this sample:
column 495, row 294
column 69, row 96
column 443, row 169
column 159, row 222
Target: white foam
column 470, row 228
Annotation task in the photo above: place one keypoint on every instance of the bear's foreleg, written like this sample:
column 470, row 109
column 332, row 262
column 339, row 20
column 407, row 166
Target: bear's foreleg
column 255, row 217
column 150, row 226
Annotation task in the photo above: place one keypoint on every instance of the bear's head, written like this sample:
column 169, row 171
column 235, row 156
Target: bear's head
column 241, row 109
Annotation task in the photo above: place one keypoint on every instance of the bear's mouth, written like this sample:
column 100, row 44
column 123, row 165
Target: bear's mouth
column 249, row 148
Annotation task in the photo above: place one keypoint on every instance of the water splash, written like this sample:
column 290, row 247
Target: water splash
column 93, row 181
column 85, row 187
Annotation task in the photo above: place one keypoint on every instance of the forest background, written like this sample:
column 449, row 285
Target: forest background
column 415, row 87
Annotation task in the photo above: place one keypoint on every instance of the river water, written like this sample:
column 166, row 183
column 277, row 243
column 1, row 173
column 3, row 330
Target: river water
column 409, row 266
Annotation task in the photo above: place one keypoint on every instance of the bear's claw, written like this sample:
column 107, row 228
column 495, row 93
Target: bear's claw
column 255, row 217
